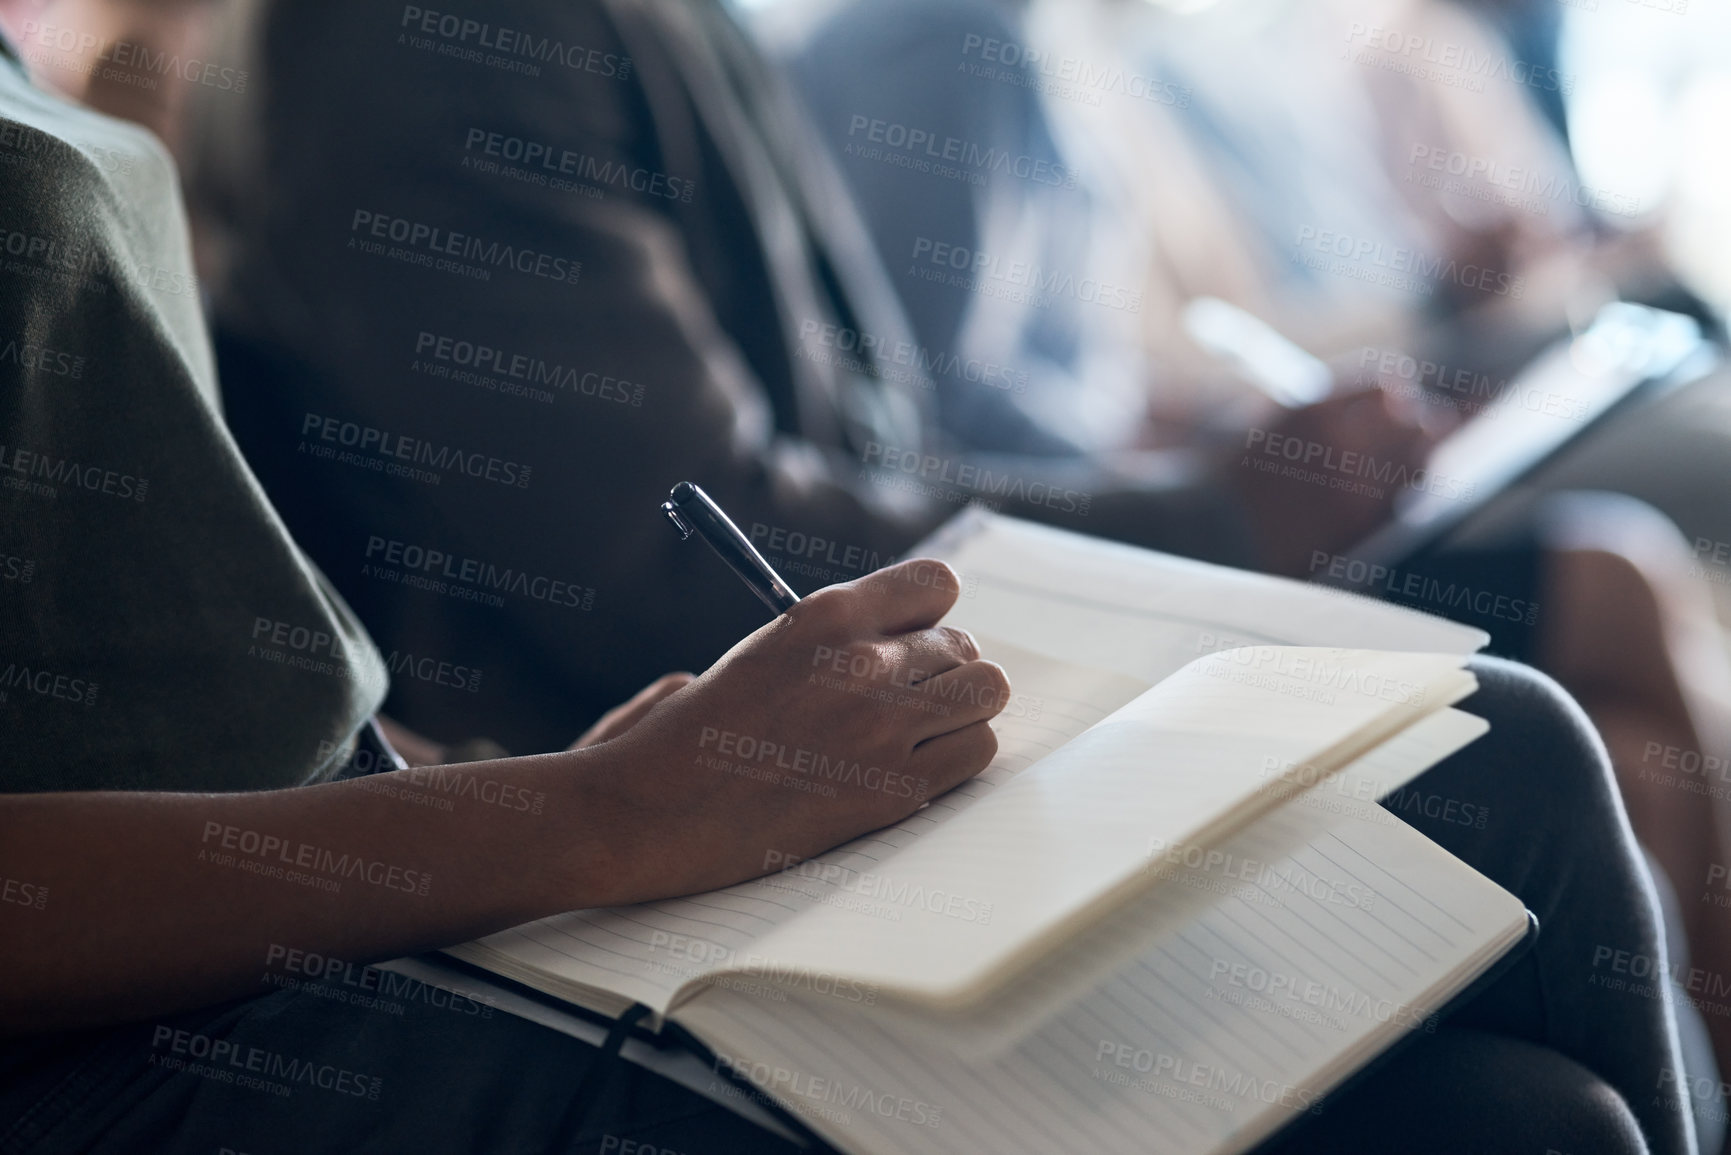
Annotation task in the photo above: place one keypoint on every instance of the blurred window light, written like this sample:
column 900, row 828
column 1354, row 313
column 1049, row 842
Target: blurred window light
column 1647, row 116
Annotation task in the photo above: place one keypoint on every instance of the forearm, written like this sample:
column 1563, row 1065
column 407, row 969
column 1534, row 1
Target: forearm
column 145, row 903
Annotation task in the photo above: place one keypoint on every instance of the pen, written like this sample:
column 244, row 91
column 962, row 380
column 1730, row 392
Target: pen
column 691, row 511
column 1275, row 365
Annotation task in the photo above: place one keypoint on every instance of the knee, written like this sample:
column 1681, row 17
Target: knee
column 1535, row 722
column 1614, row 547
column 1582, row 1114
column 1463, row 1090
column 1612, row 523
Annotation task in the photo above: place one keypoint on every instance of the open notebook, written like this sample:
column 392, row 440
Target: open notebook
column 1169, row 916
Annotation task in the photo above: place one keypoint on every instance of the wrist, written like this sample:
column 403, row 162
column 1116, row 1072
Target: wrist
column 589, row 846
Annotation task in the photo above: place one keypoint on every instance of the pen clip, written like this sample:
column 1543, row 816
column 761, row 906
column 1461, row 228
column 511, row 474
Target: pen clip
column 685, row 528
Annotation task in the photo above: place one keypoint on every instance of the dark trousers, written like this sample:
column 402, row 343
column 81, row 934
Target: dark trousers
column 1557, row 1055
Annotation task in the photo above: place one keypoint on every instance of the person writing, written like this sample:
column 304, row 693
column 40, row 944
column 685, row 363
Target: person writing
column 157, row 719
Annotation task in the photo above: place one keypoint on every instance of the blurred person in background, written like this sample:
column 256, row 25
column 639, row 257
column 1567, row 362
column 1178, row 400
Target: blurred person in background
column 600, row 273
column 1234, row 150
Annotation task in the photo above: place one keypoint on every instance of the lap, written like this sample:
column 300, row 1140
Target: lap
column 1464, row 1092
column 300, row 1072
column 1544, row 822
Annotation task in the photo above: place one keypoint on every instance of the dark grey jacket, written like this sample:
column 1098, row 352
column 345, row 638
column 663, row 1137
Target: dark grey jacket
column 503, row 275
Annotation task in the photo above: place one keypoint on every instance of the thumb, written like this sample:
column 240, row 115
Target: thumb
column 622, row 717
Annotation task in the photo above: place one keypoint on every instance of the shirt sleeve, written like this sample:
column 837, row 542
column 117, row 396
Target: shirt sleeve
column 158, row 627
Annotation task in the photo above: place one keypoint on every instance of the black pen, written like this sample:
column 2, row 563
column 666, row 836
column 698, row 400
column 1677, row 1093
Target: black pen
column 691, row 511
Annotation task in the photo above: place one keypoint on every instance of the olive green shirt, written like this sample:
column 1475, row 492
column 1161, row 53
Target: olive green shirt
column 158, row 627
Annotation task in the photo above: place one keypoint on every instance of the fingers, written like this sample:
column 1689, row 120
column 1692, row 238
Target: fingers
column 968, row 694
column 909, row 595
column 928, row 653
column 622, row 717
column 948, row 760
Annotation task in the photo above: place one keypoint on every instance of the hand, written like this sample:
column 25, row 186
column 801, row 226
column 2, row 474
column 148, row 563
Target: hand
column 843, row 715
column 1328, row 474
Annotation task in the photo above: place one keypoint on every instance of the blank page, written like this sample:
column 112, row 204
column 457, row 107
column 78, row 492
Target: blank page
column 1147, row 614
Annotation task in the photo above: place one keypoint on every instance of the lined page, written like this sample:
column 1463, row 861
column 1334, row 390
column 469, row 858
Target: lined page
column 1223, row 1027
column 1186, row 761
column 647, row 953
column 1148, row 614
column 1083, row 961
